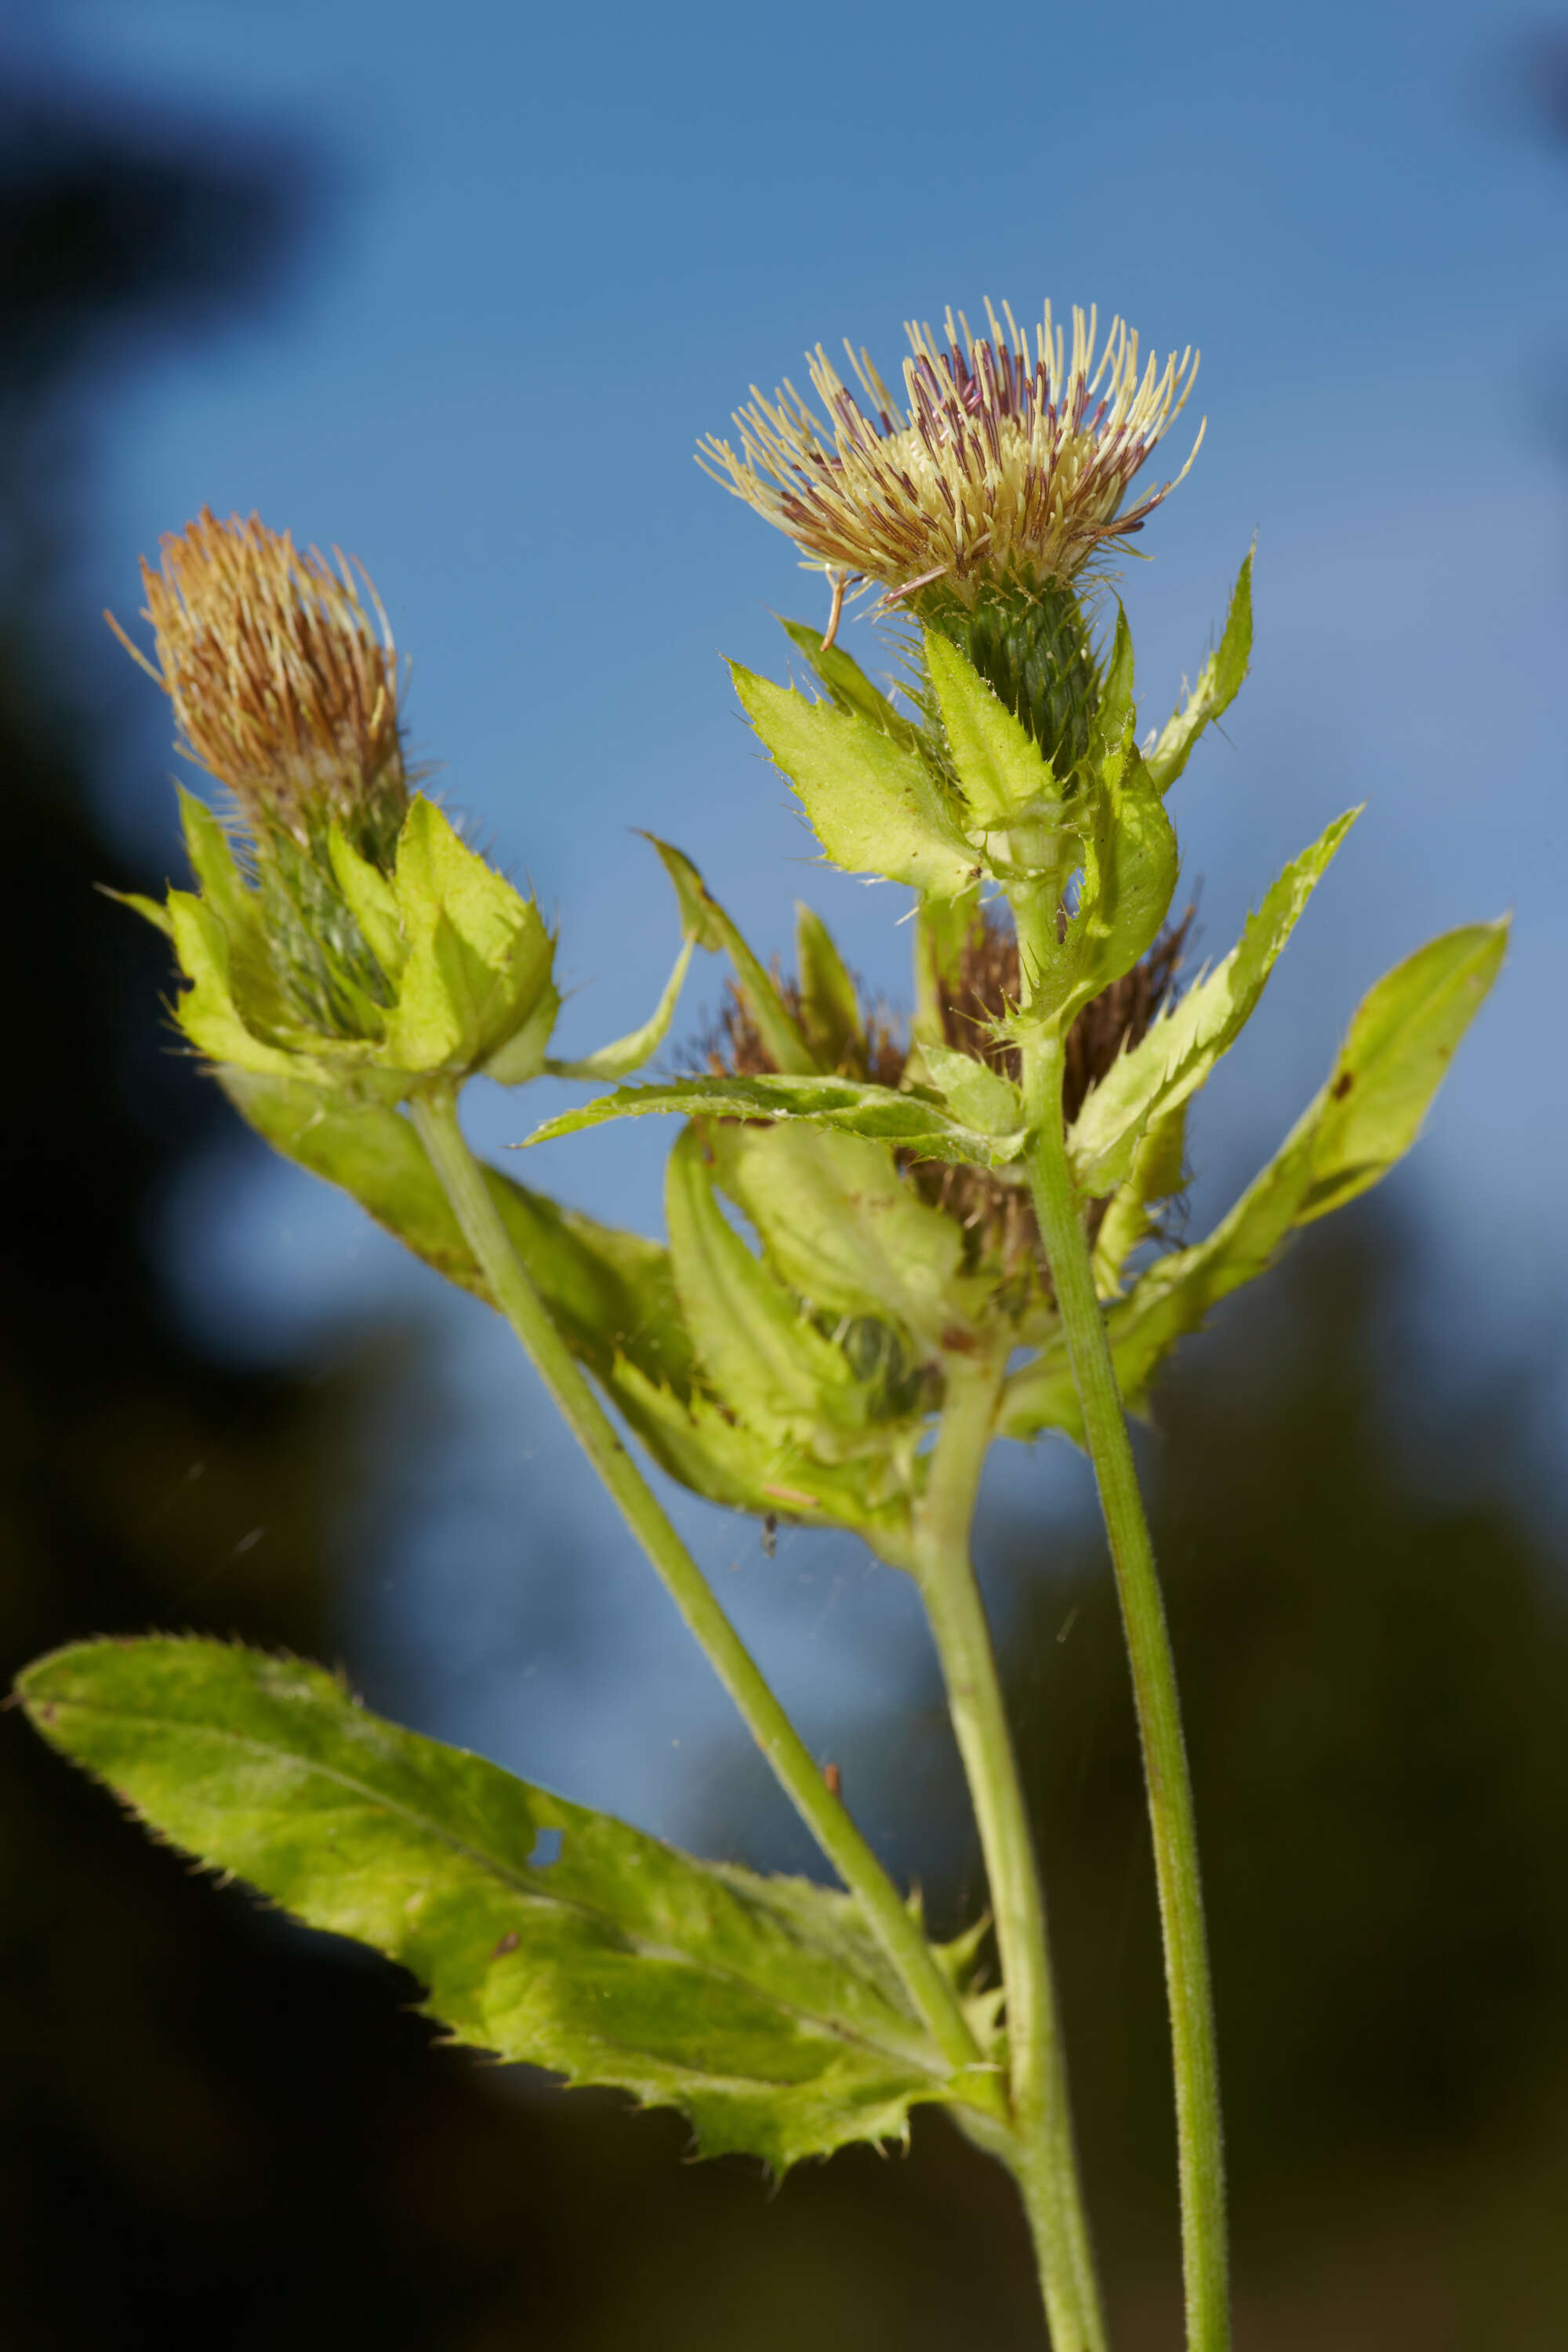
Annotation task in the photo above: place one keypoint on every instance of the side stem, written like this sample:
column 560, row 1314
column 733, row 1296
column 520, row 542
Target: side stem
column 435, row 1118
column 1045, row 2159
column 1200, row 2139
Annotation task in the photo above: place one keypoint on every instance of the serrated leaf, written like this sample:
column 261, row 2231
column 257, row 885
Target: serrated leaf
column 705, row 920
column 479, row 955
column 1005, row 776
column 1115, row 711
column 1219, row 683
column 213, row 862
column 847, row 1105
column 763, row 1360
column 848, row 684
column 767, row 2016
column 611, row 1293
column 846, row 1231
column 207, row 1010
column 1130, row 867
column 975, row 1094
column 250, row 979
column 830, row 1015
column 1172, row 1061
column 1400, row 1043
column 701, row 1443
column 875, row 805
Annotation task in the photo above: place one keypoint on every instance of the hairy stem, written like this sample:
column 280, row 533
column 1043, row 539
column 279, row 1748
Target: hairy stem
column 1200, row 2138
column 435, row 1116
column 1044, row 2159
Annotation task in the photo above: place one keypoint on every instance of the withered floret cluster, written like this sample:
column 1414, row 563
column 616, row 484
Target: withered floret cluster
column 986, row 988
column 284, row 680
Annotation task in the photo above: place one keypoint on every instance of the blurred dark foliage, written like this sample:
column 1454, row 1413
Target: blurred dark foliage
column 217, row 2131
column 1527, row 82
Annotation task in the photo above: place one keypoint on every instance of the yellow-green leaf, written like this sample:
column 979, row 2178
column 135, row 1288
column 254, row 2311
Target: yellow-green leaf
column 761, row 2008
column 1219, row 683
column 874, row 804
column 1005, row 776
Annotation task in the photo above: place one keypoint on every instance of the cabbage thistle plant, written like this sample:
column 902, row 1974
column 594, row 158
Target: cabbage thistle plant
column 887, row 1248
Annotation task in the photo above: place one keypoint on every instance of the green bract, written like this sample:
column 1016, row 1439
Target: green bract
column 873, row 800
column 761, row 2008
column 458, row 966
column 1219, row 683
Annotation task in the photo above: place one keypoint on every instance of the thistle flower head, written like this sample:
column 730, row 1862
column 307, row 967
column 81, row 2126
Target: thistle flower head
column 1005, row 471
column 284, row 680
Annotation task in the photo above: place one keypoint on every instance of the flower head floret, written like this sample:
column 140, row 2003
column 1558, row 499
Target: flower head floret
column 1005, row 469
column 284, row 680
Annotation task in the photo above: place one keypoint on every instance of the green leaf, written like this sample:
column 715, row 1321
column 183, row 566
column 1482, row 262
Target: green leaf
column 712, row 928
column 977, row 1096
column 760, row 2009
column 701, row 1443
column 1400, row 1043
column 1115, row 713
column 1157, row 1172
column 629, row 1053
column 943, row 931
column 848, row 684
column 1391, row 1063
column 611, row 1293
column 1179, row 1052
column 845, row 1230
column 251, row 979
column 847, row 1104
column 213, row 862
column 875, row 805
column 1130, row 867
column 765, row 1362
column 1219, row 683
column 521, row 1055
column 207, row 1010
column 151, row 911
column 372, row 902
column 479, row 955
column 1005, row 776
column 830, row 1008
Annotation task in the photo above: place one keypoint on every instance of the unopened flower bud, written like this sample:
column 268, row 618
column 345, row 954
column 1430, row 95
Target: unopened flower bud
column 284, row 680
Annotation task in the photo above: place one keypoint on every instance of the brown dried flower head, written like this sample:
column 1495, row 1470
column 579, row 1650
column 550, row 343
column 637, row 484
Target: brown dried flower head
column 1006, row 469
column 284, row 680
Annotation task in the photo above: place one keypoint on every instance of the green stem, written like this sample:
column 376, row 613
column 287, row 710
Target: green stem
column 435, row 1118
column 1198, row 2126
column 1044, row 2159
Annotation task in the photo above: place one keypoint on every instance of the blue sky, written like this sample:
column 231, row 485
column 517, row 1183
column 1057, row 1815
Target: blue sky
column 562, row 244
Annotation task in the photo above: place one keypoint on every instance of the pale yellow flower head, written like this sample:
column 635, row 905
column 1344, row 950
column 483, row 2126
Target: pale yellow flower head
column 283, row 677
column 1005, row 469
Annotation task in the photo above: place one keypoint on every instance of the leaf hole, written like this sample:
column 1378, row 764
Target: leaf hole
column 546, row 1850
